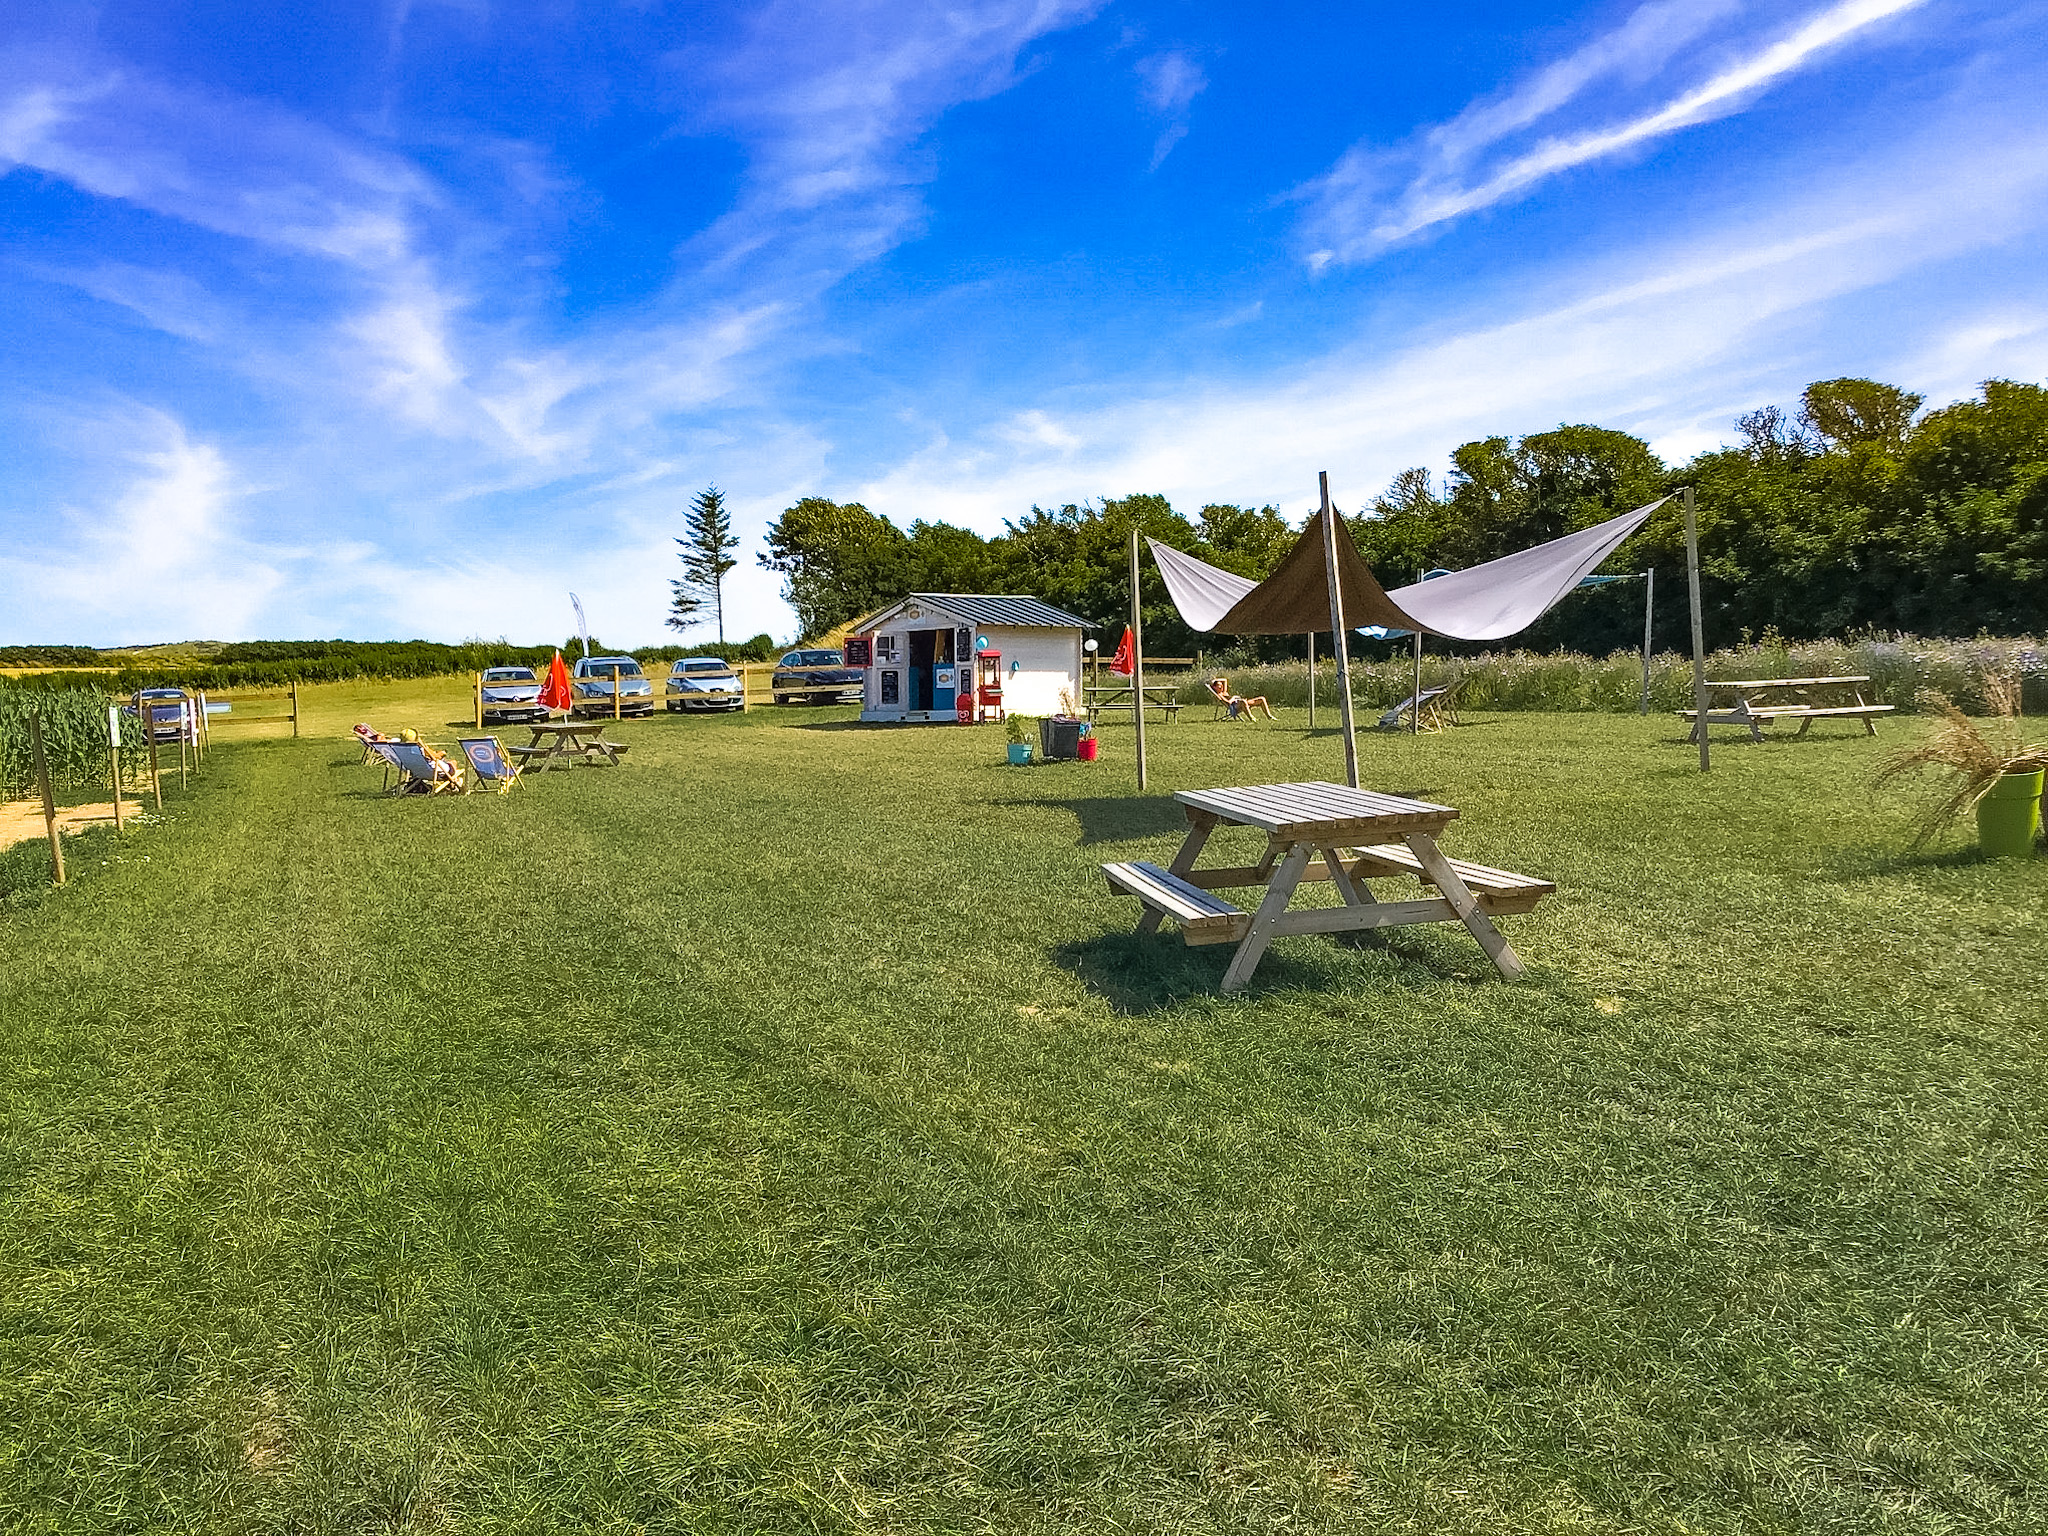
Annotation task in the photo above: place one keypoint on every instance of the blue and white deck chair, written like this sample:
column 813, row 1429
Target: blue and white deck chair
column 489, row 767
column 418, row 774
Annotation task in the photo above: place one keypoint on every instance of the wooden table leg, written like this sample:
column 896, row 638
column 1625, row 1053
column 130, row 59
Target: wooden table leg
column 1445, row 879
column 1252, row 948
column 1200, row 825
column 1341, row 878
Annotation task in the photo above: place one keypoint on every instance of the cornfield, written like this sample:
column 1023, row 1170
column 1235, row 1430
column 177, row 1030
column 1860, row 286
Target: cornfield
column 1900, row 671
column 74, row 738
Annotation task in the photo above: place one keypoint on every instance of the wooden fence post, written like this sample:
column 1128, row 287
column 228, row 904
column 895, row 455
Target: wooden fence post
column 184, row 738
column 479, row 701
column 615, row 693
column 35, row 736
column 156, row 777
column 295, row 709
column 114, row 759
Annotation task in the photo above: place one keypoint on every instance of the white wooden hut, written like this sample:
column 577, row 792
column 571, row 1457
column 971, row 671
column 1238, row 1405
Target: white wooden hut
column 920, row 655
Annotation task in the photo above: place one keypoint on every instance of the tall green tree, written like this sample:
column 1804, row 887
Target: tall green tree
column 707, row 545
column 836, row 562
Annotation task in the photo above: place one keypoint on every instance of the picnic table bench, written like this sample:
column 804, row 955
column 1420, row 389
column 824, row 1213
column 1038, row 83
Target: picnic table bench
column 1098, row 697
column 1761, row 701
column 565, row 743
column 1351, row 836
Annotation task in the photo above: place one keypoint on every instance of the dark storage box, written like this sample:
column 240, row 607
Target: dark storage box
column 1060, row 740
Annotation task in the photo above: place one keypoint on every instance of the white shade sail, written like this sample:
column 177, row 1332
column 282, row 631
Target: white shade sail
column 1486, row 602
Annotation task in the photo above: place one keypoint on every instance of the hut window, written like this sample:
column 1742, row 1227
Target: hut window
column 885, row 649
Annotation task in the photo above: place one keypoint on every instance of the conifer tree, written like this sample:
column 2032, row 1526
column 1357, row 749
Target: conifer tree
column 707, row 545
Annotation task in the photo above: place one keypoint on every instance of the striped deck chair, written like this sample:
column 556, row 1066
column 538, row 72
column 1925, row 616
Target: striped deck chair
column 489, row 768
column 419, row 774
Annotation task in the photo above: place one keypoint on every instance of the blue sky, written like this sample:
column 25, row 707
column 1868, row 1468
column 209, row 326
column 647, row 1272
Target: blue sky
column 405, row 318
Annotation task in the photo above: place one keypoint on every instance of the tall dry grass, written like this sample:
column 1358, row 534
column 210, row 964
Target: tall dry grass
column 1901, row 670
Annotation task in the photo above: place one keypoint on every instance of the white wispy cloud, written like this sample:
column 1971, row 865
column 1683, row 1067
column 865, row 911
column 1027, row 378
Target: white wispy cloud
column 164, row 555
column 832, row 97
column 1669, row 338
column 1375, row 196
column 1169, row 83
column 396, row 331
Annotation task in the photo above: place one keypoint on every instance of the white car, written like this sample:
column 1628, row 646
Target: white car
column 705, row 682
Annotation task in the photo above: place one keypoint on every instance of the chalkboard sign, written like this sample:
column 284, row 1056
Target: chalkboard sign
column 861, row 652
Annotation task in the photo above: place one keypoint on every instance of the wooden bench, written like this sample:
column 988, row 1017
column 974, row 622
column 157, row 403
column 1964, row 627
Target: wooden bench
column 1204, row 917
column 1498, row 891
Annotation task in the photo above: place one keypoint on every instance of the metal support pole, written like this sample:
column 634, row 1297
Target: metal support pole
column 1337, row 636
column 1311, row 679
column 1137, row 659
column 1699, row 641
column 42, row 766
column 1649, row 612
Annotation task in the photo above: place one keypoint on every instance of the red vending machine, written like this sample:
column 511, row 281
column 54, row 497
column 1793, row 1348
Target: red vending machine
column 988, row 685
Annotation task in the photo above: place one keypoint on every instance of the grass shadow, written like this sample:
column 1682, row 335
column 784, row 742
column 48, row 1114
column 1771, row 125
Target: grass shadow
column 1116, row 818
column 1145, row 973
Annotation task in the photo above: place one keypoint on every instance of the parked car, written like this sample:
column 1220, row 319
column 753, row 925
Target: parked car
column 164, row 705
column 815, row 677
column 590, row 686
column 705, row 682
column 512, row 693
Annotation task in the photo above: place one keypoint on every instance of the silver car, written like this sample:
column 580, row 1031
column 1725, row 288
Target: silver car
column 705, row 683
column 512, row 693
column 591, row 687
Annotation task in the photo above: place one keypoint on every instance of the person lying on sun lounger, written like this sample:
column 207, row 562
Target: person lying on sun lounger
column 1240, row 707
column 369, row 738
column 444, row 766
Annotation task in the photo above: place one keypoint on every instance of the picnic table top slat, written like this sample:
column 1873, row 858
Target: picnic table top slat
column 1315, row 809
column 1785, row 682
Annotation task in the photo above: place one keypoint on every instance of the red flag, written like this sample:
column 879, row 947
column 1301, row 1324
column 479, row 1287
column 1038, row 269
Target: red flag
column 1124, row 662
column 554, row 693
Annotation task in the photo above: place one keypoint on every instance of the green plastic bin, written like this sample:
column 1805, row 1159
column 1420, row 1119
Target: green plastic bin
column 2009, row 816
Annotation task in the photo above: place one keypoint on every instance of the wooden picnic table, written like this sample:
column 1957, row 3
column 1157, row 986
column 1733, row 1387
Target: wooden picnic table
column 1761, row 700
column 565, row 743
column 1098, row 697
column 1352, row 835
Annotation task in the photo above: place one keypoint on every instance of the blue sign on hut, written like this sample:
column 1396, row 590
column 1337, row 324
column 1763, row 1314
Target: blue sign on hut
column 931, row 658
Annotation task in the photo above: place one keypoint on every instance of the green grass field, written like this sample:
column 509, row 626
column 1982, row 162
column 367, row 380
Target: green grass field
column 784, row 1133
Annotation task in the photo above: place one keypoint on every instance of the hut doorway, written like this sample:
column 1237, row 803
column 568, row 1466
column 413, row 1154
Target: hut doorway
column 921, row 649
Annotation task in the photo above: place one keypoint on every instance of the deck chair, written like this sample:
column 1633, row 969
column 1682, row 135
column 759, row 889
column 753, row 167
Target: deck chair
column 1435, row 708
column 370, row 740
column 489, row 768
column 419, row 774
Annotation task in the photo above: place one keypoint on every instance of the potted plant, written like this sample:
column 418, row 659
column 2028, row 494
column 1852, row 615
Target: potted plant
column 1018, row 729
column 1998, row 776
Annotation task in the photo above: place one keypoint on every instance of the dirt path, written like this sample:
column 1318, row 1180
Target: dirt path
column 21, row 820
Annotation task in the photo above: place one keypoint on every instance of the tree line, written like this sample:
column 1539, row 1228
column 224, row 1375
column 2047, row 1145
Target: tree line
column 1857, row 511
